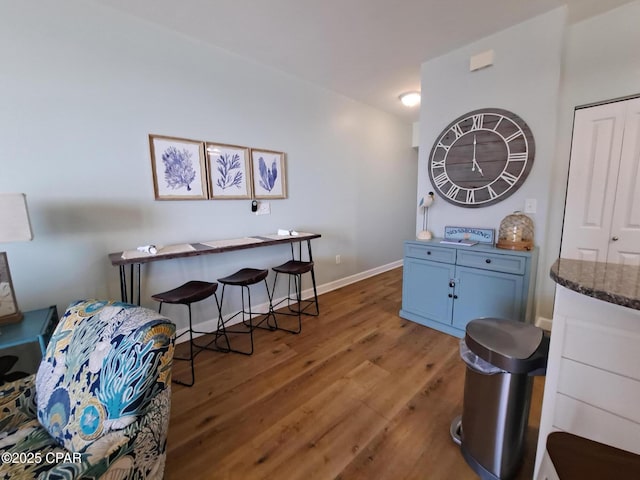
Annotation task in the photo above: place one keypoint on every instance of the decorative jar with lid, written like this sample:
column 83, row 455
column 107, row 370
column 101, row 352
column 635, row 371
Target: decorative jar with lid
column 516, row 232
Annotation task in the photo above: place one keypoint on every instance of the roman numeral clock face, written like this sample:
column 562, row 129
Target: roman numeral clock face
column 481, row 158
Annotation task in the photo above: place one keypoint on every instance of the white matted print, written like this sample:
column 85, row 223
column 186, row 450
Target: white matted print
column 229, row 171
column 178, row 168
column 9, row 312
column 269, row 176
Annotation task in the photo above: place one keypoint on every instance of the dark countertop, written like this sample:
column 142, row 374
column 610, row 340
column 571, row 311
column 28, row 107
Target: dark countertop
column 610, row 282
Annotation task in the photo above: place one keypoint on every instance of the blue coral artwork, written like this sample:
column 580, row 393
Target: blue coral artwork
column 229, row 171
column 268, row 169
column 178, row 168
column 268, row 176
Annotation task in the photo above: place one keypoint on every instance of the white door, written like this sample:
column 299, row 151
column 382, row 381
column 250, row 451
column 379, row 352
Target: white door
column 624, row 242
column 593, row 175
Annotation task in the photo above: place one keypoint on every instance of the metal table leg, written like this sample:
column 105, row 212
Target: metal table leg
column 134, row 287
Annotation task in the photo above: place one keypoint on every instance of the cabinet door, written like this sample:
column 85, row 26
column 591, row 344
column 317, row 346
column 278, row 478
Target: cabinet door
column 483, row 293
column 425, row 289
column 624, row 246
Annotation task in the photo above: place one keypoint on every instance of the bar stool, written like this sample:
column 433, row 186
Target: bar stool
column 295, row 268
column 191, row 292
column 244, row 278
column 569, row 457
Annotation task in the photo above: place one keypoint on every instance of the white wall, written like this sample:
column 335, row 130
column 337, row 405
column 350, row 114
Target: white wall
column 524, row 79
column 602, row 62
column 82, row 87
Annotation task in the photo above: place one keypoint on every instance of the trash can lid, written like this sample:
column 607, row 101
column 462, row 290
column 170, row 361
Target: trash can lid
column 507, row 344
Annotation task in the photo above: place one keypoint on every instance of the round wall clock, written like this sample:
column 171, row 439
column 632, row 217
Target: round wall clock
column 481, row 158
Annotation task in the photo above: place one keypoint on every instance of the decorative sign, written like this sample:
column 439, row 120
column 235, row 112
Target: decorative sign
column 480, row 235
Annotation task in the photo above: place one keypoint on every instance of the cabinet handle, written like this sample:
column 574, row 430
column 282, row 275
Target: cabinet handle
column 450, row 295
column 614, row 239
column 455, row 296
column 452, row 284
column 428, row 252
column 488, row 260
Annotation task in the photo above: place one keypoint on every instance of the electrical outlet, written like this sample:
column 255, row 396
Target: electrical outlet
column 264, row 208
column 530, row 205
column 338, row 259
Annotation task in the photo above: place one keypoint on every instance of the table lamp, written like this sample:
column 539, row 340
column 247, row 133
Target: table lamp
column 14, row 227
column 424, row 204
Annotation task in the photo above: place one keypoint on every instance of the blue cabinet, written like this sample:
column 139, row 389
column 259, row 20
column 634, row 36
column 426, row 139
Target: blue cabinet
column 27, row 340
column 446, row 286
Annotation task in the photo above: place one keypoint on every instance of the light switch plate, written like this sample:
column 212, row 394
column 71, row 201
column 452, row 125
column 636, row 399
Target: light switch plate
column 530, row 205
column 264, row 208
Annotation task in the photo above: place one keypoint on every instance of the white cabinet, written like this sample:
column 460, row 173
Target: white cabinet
column 602, row 212
column 593, row 382
column 547, row 470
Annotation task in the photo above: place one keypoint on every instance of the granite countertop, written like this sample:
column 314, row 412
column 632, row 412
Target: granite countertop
column 610, row 282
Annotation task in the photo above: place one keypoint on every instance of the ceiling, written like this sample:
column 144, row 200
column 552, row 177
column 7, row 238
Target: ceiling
column 368, row 50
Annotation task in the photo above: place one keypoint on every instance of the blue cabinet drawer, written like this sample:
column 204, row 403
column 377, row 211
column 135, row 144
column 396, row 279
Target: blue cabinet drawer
column 491, row 261
column 428, row 252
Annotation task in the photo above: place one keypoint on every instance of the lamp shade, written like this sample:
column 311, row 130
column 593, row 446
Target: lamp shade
column 14, row 218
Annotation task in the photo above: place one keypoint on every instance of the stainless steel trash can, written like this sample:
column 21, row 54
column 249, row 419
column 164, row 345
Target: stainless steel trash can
column 501, row 356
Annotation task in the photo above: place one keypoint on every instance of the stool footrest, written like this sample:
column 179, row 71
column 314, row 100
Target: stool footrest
column 308, row 303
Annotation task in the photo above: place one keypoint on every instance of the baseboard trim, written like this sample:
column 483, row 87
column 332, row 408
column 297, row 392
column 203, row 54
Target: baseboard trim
column 211, row 324
column 343, row 282
column 544, row 323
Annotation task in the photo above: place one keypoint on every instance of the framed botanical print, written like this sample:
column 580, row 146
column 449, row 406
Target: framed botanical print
column 229, row 171
column 269, row 175
column 9, row 312
column 178, row 165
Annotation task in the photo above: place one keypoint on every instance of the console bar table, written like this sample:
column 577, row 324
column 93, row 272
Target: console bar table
column 135, row 258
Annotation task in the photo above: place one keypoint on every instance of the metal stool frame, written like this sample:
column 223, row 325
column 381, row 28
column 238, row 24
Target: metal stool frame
column 244, row 313
column 297, row 279
column 192, row 344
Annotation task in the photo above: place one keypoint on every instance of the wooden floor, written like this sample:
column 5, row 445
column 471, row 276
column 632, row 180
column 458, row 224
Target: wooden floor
column 359, row 394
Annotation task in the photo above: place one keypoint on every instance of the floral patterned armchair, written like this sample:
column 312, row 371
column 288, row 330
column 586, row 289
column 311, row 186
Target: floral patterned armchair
column 99, row 405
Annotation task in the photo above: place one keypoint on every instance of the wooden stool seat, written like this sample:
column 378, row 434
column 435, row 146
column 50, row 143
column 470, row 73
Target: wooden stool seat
column 245, row 277
column 294, row 267
column 579, row 458
column 190, row 292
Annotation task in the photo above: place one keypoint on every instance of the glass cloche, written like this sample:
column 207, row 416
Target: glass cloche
column 516, row 232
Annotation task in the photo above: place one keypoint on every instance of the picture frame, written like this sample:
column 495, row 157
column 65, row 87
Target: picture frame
column 268, row 171
column 473, row 234
column 179, row 168
column 9, row 311
column 229, row 171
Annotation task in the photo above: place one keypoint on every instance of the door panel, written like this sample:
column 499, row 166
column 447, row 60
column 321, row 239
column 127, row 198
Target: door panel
column 593, row 174
column 482, row 293
column 425, row 289
column 625, row 224
column 587, row 254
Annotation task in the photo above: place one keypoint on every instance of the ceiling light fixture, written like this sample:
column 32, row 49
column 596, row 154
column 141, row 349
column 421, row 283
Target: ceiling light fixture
column 410, row 99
